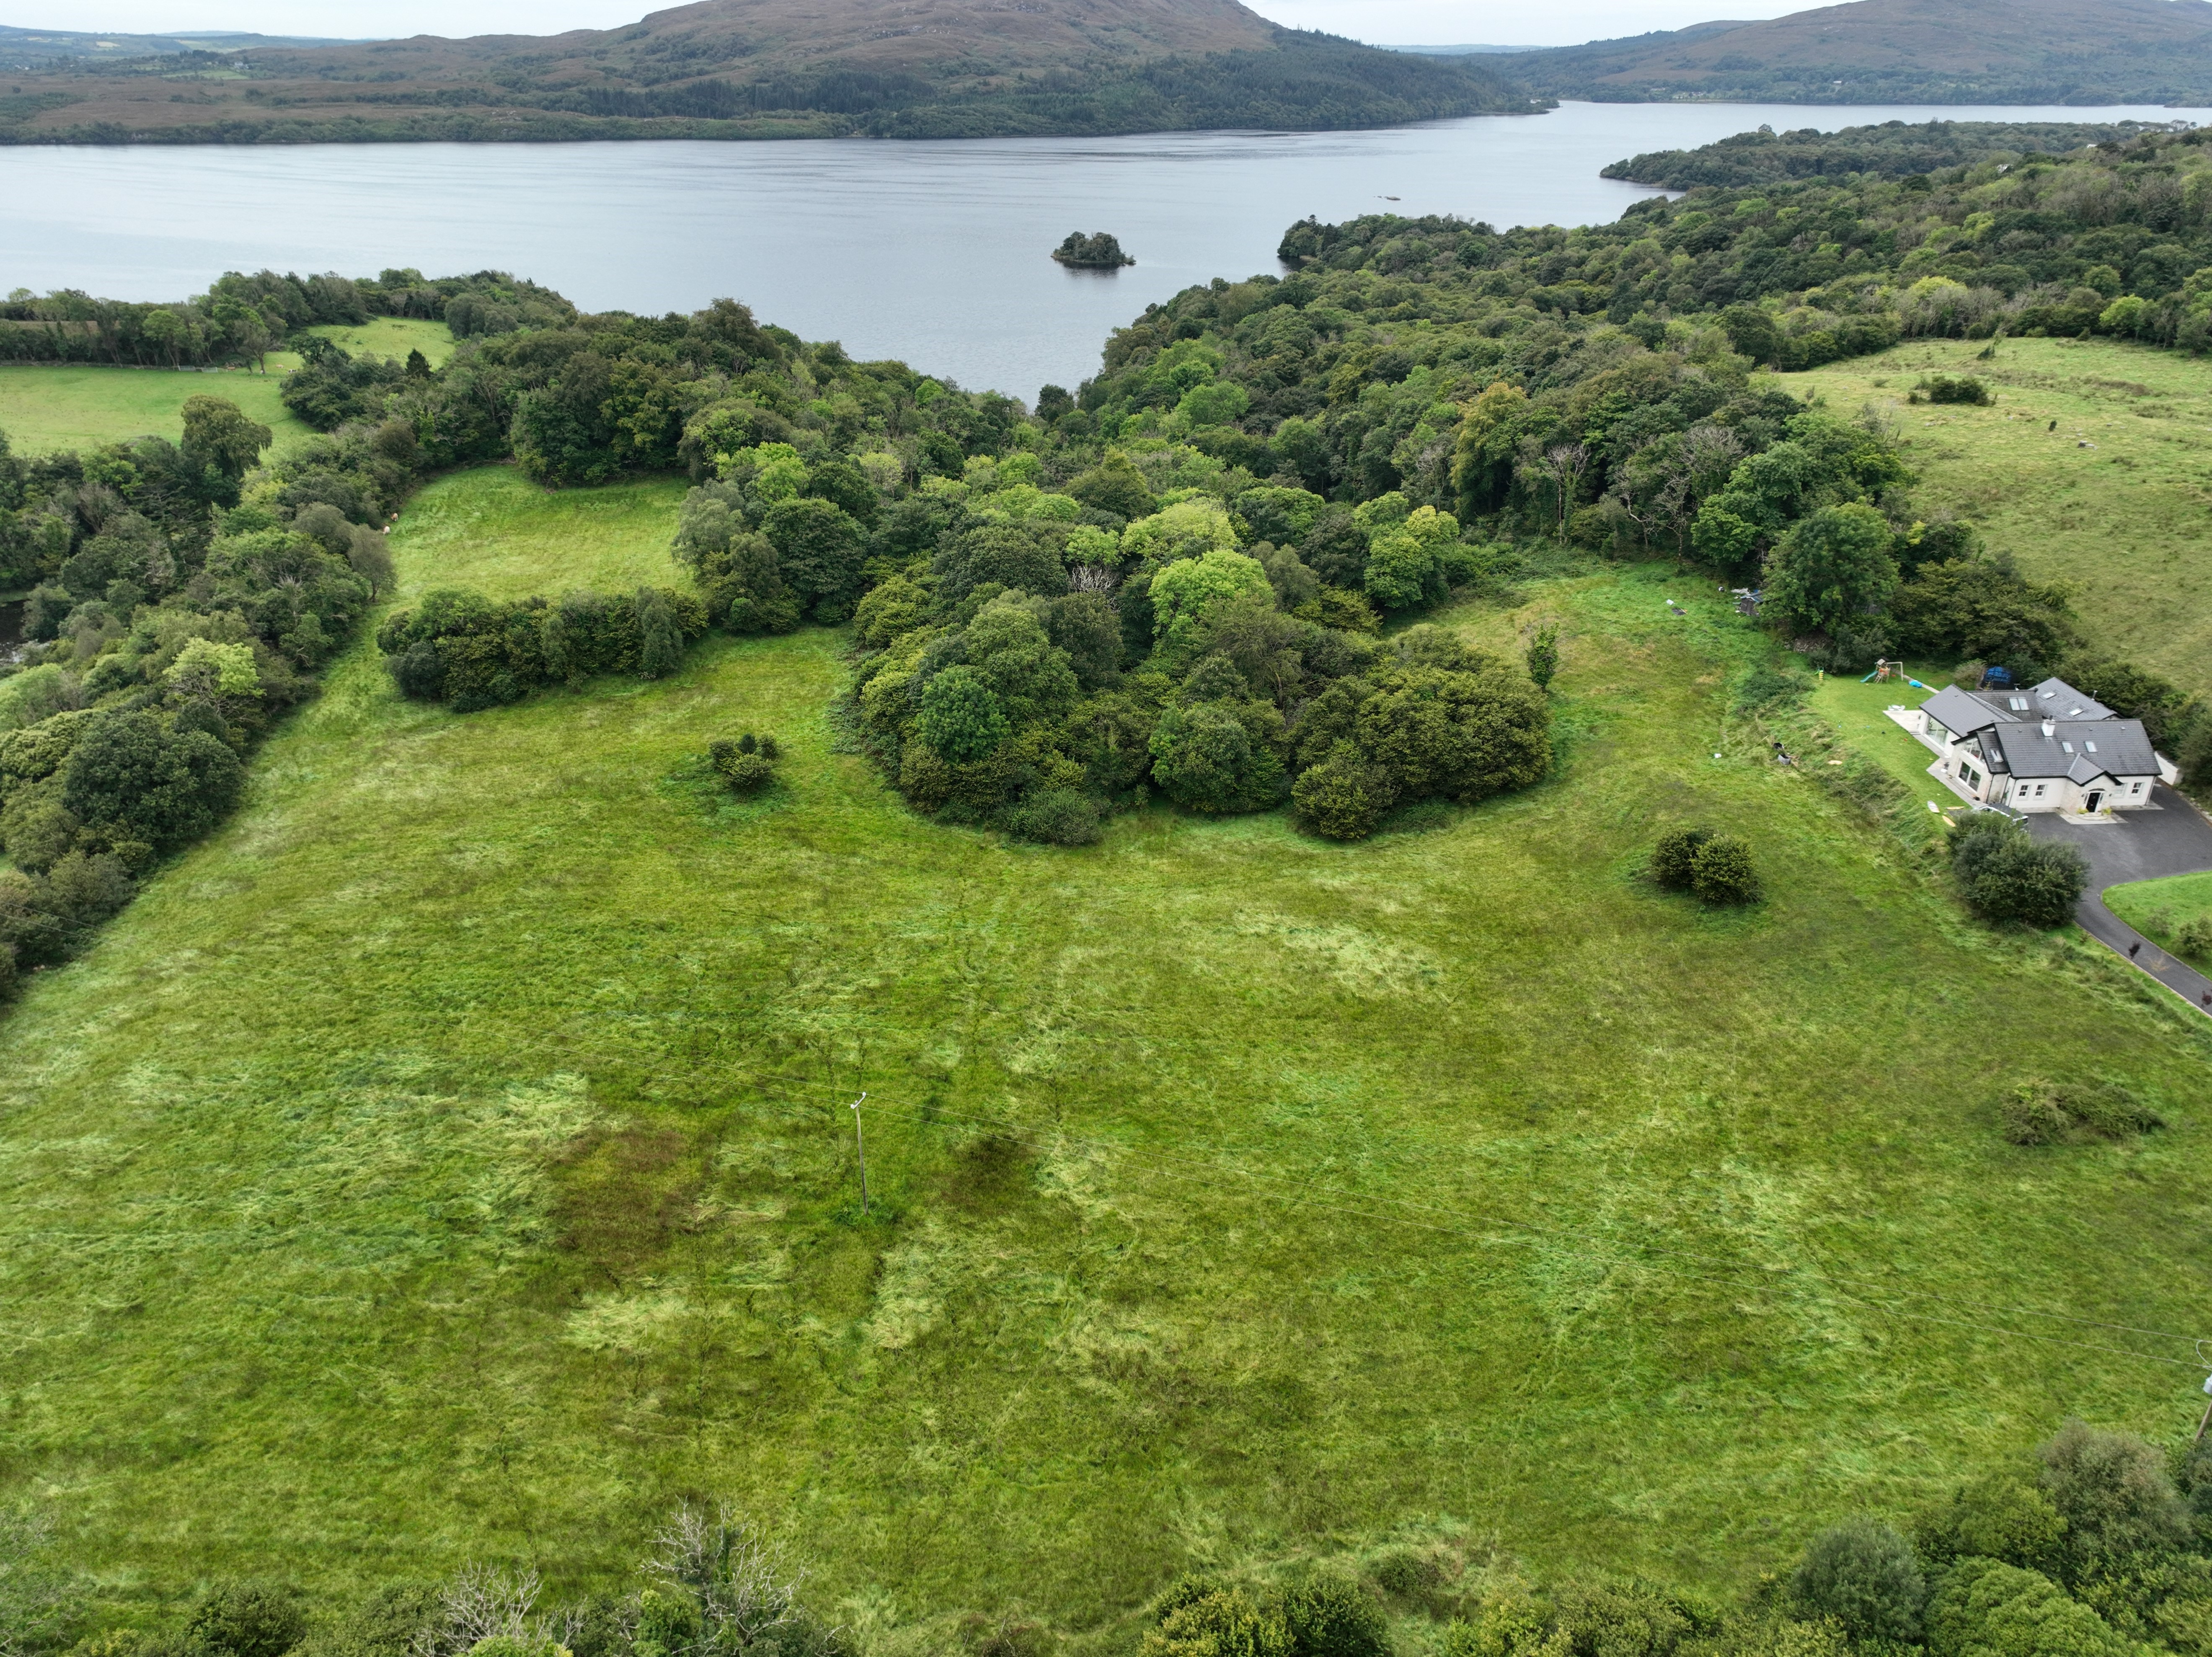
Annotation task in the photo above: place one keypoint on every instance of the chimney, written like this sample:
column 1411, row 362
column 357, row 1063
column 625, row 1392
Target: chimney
column 2049, row 730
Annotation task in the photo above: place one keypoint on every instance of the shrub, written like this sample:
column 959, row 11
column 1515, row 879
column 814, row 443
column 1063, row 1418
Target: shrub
column 1673, row 860
column 1722, row 872
column 1331, row 1616
column 748, row 764
column 1344, row 797
column 1544, row 655
column 1054, row 816
column 1959, row 388
column 2115, row 1495
column 1866, row 1576
column 247, row 1619
column 1999, row 1517
column 2007, row 875
column 2193, row 938
column 1224, row 1622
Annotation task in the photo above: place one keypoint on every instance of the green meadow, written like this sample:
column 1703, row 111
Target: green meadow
column 494, row 529
column 2093, row 467
column 47, row 407
column 451, row 1159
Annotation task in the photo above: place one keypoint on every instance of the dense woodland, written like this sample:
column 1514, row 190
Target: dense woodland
column 1894, row 149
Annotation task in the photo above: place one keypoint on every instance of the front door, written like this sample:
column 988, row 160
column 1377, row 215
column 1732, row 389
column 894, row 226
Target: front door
column 2095, row 802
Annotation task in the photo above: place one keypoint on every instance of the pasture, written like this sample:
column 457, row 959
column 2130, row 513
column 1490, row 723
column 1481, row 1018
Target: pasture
column 450, row 1159
column 47, row 407
column 2093, row 467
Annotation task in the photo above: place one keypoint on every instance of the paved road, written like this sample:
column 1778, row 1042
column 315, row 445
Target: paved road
column 2143, row 845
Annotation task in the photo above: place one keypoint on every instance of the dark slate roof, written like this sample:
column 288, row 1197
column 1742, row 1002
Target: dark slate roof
column 1961, row 712
column 2080, row 750
column 1964, row 712
column 2055, row 699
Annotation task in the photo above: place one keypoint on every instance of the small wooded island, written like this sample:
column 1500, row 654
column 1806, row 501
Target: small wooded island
column 1097, row 253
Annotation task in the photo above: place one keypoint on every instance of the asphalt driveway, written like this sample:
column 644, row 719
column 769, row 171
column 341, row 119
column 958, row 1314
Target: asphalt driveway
column 2176, row 839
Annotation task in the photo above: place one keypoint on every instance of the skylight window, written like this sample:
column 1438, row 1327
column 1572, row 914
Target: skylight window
column 2048, row 694
column 2068, row 746
column 2088, row 747
column 2019, row 704
column 2073, row 712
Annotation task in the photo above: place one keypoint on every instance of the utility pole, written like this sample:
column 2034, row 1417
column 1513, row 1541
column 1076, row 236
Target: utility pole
column 860, row 1145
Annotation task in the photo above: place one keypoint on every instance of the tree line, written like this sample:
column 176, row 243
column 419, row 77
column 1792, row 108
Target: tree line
column 183, row 596
column 242, row 318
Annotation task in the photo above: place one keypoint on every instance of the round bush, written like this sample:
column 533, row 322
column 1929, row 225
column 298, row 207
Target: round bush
column 1343, row 797
column 247, row 1619
column 1722, row 872
column 1866, row 1576
column 1673, row 859
column 1330, row 1616
column 746, row 774
column 1055, row 816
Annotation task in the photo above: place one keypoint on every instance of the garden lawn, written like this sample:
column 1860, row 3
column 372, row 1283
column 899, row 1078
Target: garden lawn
column 451, row 1160
column 47, row 407
column 2158, row 908
column 1859, row 714
column 2122, row 520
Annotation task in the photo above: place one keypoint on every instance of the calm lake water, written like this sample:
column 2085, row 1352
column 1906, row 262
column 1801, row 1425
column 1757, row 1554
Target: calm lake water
column 933, row 252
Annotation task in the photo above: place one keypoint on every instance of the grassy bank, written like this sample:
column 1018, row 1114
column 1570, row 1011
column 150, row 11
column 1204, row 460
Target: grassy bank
column 2158, row 908
column 2122, row 518
column 449, row 1160
column 44, row 408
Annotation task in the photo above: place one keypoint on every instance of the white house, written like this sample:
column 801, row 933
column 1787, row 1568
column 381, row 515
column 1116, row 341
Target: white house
column 2049, row 748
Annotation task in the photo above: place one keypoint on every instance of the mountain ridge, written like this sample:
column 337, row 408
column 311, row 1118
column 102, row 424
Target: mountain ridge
column 773, row 68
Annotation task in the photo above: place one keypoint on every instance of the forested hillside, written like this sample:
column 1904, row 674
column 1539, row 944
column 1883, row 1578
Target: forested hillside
column 1932, row 52
column 750, row 68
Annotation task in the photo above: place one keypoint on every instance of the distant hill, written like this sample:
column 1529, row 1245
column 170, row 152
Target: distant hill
column 1959, row 51
column 772, row 68
column 22, row 48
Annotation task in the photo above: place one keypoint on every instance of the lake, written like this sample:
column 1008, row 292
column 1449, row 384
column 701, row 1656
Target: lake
column 933, row 252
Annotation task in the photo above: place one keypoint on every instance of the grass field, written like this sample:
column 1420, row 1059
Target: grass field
column 2157, row 908
column 494, row 529
column 45, row 407
column 450, row 1159
column 391, row 336
column 2122, row 520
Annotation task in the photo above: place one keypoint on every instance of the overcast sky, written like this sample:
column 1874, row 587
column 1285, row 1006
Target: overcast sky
column 1395, row 22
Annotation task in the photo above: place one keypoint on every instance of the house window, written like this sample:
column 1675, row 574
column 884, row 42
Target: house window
column 2135, row 788
column 1973, row 777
